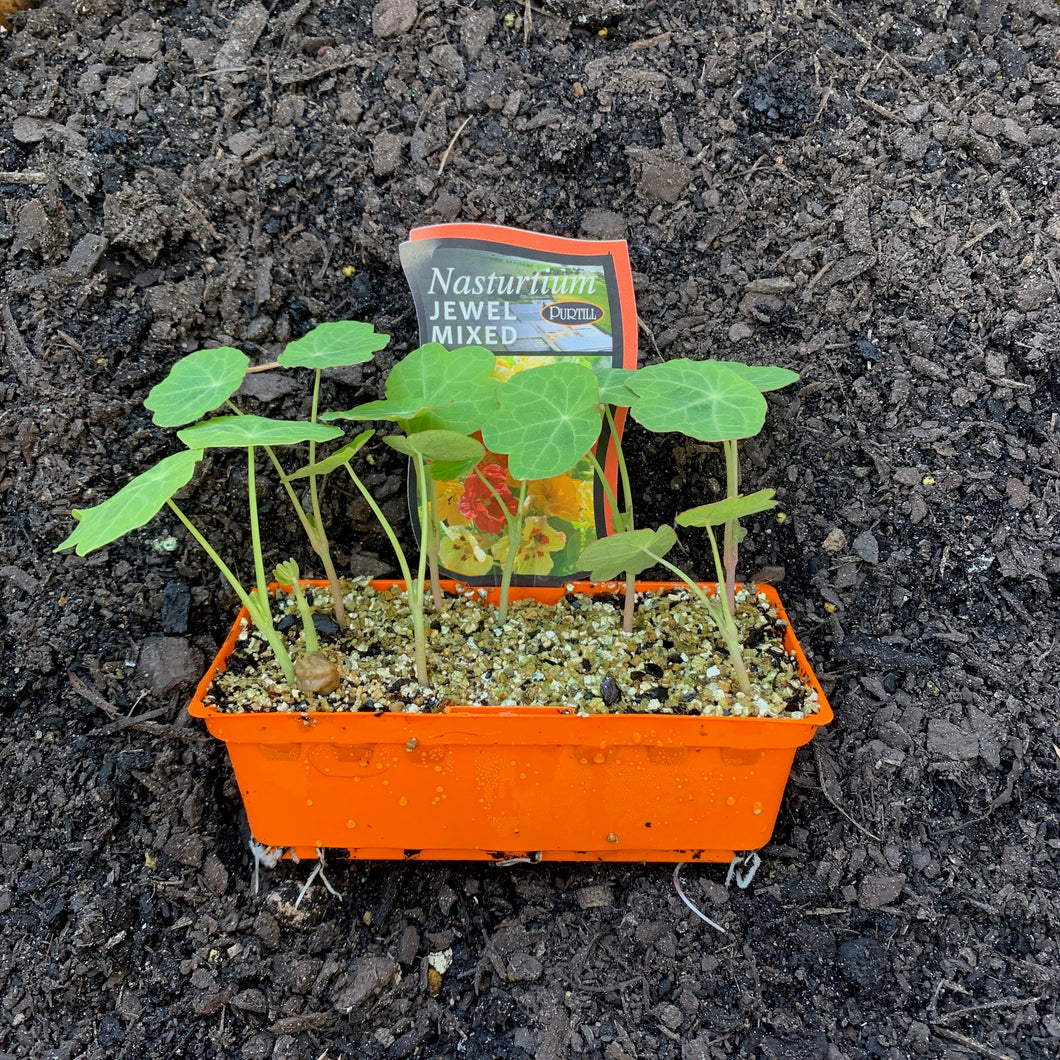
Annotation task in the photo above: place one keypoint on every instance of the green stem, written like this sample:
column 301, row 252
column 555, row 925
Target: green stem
column 313, row 527
column 434, row 542
column 710, row 605
column 399, row 552
column 255, row 530
column 515, row 536
column 410, row 583
column 622, row 521
column 415, row 593
column 732, row 491
column 627, row 493
column 718, row 611
column 515, row 533
column 261, row 616
column 312, row 642
column 729, row 630
column 618, row 517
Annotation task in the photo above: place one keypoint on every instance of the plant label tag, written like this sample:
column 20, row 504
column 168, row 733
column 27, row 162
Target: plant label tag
column 531, row 300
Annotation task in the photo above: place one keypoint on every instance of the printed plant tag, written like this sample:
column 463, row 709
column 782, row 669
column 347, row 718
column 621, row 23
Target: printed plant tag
column 531, row 300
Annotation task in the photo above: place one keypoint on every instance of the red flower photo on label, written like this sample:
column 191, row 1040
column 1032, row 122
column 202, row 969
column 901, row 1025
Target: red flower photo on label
column 479, row 505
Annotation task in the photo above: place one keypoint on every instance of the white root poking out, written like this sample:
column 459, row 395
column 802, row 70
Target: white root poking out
column 742, row 869
column 684, row 898
column 318, row 870
column 270, row 857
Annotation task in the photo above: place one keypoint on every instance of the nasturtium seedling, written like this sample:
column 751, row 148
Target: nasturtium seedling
column 339, row 344
column 433, row 388
column 134, row 505
column 338, row 459
column 628, row 553
column 438, row 397
column 197, row 384
column 721, row 512
column 547, row 419
column 237, row 432
column 705, row 400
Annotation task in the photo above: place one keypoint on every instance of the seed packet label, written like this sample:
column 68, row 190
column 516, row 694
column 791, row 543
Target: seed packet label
column 531, row 300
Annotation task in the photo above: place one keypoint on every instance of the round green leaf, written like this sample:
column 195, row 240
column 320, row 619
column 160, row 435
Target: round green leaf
column 454, row 388
column 237, row 432
column 627, row 553
column 135, row 504
column 615, row 385
column 334, row 345
column 197, row 384
column 764, row 376
column 702, row 399
column 725, row 511
column 433, row 388
column 336, row 460
column 385, row 409
column 547, row 420
column 438, row 445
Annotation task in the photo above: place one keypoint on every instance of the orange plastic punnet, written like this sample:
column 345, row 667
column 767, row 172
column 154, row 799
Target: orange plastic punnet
column 496, row 783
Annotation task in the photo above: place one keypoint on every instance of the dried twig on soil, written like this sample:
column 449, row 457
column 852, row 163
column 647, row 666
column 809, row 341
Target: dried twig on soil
column 199, row 217
column 289, row 78
column 140, row 722
column 971, row 1043
column 28, row 176
column 828, row 796
column 1005, row 1002
column 982, row 235
column 650, row 42
column 95, row 698
column 18, row 352
column 136, row 719
column 840, row 22
column 452, row 142
column 883, row 112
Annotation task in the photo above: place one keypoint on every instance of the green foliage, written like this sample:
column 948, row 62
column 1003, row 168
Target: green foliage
column 702, row 399
column 135, row 504
column 546, row 421
column 626, row 553
column 616, row 385
column 287, row 573
column 764, row 376
column 439, row 445
column 334, row 345
column 433, row 388
column 337, row 459
column 197, row 384
column 237, row 432
column 721, row 512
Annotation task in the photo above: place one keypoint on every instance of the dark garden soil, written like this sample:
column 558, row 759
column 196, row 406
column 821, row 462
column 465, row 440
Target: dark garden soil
column 866, row 192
